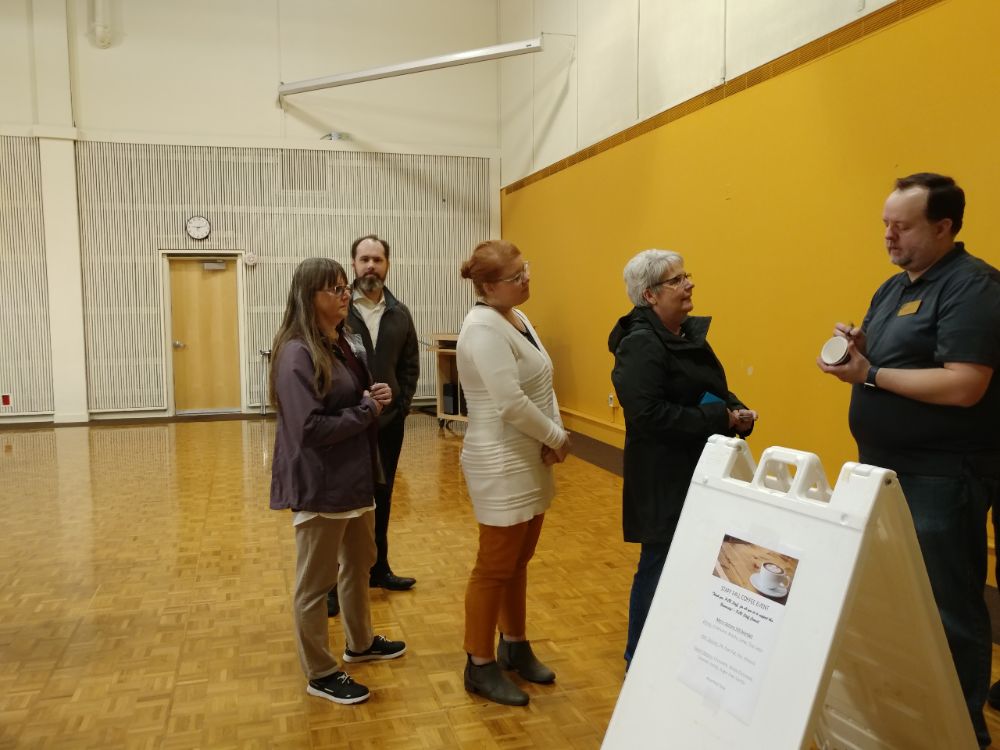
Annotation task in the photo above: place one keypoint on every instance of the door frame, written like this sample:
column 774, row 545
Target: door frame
column 166, row 318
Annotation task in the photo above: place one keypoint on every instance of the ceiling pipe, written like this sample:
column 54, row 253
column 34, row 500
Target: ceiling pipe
column 101, row 25
column 495, row 52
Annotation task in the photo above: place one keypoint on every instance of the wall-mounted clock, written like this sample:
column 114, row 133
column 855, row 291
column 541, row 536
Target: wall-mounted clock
column 198, row 227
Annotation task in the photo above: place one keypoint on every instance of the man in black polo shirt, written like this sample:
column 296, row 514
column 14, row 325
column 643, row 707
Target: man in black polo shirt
column 925, row 404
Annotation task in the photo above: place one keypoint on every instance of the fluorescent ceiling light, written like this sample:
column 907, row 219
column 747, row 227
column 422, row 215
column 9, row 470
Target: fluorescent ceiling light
column 495, row 52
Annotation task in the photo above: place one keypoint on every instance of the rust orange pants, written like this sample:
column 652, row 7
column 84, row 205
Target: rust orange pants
column 498, row 585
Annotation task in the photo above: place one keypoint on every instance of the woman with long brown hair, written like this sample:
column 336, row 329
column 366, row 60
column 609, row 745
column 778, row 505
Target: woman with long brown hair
column 324, row 470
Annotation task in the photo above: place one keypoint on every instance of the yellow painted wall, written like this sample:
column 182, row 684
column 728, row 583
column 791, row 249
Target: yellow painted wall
column 774, row 197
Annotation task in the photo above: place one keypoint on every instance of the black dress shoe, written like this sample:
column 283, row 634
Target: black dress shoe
column 994, row 695
column 392, row 582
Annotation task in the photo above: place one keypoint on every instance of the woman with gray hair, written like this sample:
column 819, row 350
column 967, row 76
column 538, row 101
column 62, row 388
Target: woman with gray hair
column 674, row 395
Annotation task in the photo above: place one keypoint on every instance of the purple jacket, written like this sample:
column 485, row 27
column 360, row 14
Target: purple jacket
column 323, row 457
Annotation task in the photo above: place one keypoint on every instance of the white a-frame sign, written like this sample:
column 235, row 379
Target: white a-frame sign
column 790, row 615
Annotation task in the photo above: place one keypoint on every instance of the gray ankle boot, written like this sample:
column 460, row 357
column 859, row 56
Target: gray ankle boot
column 517, row 655
column 488, row 681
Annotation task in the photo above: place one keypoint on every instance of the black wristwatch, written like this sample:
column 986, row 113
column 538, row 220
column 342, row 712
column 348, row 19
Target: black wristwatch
column 870, row 380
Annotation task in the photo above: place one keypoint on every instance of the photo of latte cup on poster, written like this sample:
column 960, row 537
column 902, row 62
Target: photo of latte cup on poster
column 753, row 567
column 771, row 579
column 834, row 351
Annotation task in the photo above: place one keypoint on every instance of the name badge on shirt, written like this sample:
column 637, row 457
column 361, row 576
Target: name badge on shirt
column 909, row 308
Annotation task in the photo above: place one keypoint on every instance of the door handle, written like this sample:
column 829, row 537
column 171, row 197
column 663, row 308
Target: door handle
column 179, row 345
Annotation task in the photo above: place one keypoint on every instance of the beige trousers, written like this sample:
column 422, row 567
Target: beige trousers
column 323, row 545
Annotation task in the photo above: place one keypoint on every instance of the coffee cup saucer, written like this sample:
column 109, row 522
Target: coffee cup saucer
column 777, row 590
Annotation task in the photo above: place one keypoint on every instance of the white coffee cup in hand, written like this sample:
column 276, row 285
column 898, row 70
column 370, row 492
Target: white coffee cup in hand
column 836, row 351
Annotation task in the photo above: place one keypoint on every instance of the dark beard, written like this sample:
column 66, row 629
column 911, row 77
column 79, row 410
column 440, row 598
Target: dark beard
column 369, row 283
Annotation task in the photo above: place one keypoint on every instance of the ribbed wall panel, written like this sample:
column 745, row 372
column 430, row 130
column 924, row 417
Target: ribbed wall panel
column 25, row 343
column 281, row 205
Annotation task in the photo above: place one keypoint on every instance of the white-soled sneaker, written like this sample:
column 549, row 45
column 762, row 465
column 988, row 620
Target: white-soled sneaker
column 339, row 688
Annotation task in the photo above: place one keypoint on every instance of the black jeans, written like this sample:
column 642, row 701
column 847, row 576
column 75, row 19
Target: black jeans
column 390, row 443
column 644, row 583
column 949, row 515
column 652, row 556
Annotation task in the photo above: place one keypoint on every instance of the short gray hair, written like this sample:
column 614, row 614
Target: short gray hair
column 645, row 269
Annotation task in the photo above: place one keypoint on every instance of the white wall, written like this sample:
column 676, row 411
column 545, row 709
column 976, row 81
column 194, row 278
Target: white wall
column 189, row 69
column 16, row 88
column 200, row 73
column 608, row 65
column 197, row 73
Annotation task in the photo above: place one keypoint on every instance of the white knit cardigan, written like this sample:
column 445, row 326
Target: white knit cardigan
column 512, row 412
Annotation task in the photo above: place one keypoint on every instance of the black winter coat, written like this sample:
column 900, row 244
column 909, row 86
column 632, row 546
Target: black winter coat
column 661, row 380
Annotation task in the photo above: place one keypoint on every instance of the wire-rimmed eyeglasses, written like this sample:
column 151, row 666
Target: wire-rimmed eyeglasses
column 338, row 291
column 674, row 281
column 520, row 277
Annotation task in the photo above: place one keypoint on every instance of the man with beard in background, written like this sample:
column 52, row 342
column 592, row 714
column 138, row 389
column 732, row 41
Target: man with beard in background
column 386, row 327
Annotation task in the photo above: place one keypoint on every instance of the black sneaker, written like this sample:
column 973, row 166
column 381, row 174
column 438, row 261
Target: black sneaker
column 381, row 649
column 339, row 688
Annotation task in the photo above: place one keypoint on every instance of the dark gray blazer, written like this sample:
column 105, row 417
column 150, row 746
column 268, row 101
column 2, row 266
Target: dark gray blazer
column 395, row 358
column 323, row 453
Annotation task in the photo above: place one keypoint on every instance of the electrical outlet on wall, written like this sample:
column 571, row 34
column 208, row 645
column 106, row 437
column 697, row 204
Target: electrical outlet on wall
column 611, row 400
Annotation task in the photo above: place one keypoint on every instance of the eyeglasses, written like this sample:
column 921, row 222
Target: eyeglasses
column 337, row 291
column 674, row 282
column 520, row 277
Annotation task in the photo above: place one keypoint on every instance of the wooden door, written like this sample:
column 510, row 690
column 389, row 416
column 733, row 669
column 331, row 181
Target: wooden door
column 204, row 335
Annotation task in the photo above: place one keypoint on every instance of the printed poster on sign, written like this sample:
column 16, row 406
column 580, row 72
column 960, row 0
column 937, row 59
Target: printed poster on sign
column 745, row 598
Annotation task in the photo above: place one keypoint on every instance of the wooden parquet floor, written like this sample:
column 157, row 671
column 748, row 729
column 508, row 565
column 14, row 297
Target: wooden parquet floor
column 145, row 600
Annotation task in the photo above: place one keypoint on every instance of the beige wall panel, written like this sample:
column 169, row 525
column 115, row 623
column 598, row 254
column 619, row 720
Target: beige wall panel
column 516, row 118
column 554, row 122
column 15, row 63
column 50, row 74
column 681, row 51
column 761, row 30
column 555, row 16
column 555, row 101
column 181, row 67
column 63, row 260
column 516, row 87
column 26, row 360
column 213, row 69
column 280, row 205
column 456, row 107
column 607, row 68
